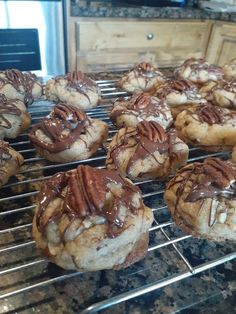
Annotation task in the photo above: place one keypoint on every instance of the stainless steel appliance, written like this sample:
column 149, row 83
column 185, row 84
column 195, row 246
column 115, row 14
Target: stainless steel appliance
column 32, row 36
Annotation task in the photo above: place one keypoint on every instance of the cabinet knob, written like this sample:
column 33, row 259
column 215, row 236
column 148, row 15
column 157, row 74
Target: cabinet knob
column 150, row 36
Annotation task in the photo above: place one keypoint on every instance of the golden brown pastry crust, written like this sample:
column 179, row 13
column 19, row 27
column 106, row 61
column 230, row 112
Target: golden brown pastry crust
column 221, row 93
column 140, row 107
column 230, row 70
column 199, row 71
column 208, row 127
column 67, row 134
column 201, row 199
column 143, row 77
column 74, row 88
column 146, row 152
column 10, row 162
column 90, row 219
column 14, row 118
column 15, row 84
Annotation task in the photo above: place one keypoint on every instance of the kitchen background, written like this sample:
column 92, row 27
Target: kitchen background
column 111, row 36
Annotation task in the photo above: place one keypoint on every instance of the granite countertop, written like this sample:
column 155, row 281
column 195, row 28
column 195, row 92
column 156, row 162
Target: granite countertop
column 212, row 291
column 148, row 12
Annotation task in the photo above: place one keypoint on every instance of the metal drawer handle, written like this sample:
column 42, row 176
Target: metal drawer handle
column 150, row 36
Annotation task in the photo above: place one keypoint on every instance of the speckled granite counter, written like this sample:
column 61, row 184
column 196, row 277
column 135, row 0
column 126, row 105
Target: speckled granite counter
column 148, row 12
column 212, row 291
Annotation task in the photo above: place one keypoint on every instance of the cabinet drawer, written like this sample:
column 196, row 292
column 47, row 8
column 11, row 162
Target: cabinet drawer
column 94, row 36
column 222, row 43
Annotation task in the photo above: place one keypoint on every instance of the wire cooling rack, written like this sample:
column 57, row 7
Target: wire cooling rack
column 24, row 271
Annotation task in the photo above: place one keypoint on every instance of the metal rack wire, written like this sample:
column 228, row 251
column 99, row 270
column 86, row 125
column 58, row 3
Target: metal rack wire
column 17, row 250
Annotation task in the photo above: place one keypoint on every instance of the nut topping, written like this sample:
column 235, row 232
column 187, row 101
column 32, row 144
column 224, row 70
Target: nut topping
column 182, row 85
column 142, row 101
column 145, row 67
column 210, row 114
column 14, row 75
column 219, row 172
column 152, row 130
column 75, row 76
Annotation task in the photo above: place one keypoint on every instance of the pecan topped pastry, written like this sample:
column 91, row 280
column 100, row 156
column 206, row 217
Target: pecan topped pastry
column 143, row 77
column 208, row 127
column 199, row 71
column 74, row 88
column 202, row 199
column 91, row 219
column 67, row 134
column 146, row 151
column 179, row 95
column 14, row 117
column 221, row 93
column 10, row 162
column 15, row 84
column 141, row 107
column 230, row 70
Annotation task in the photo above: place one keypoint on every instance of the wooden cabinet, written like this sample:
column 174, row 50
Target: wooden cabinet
column 111, row 44
column 222, row 43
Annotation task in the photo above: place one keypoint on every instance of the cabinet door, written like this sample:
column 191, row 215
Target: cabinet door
column 116, row 44
column 222, row 43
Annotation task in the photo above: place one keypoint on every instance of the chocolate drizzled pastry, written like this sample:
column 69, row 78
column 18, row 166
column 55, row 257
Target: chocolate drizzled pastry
column 179, row 92
column 221, row 93
column 10, row 162
column 67, row 134
column 90, row 219
column 18, row 85
column 199, row 71
column 140, row 107
column 202, row 198
column 146, row 151
column 143, row 77
column 13, row 117
column 210, row 114
column 208, row 127
column 230, row 70
column 74, row 88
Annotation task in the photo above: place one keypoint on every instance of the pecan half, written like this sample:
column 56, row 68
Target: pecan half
column 75, row 76
column 210, row 114
column 182, row 85
column 64, row 111
column 141, row 101
column 152, row 130
column 219, row 171
column 14, row 75
column 145, row 67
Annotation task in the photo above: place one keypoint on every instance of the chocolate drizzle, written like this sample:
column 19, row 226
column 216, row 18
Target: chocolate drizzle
column 210, row 114
column 214, row 179
column 7, row 107
column 4, row 152
column 149, row 137
column 80, row 82
column 22, row 82
column 83, row 193
column 141, row 103
column 5, row 155
column 181, row 86
column 63, row 126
